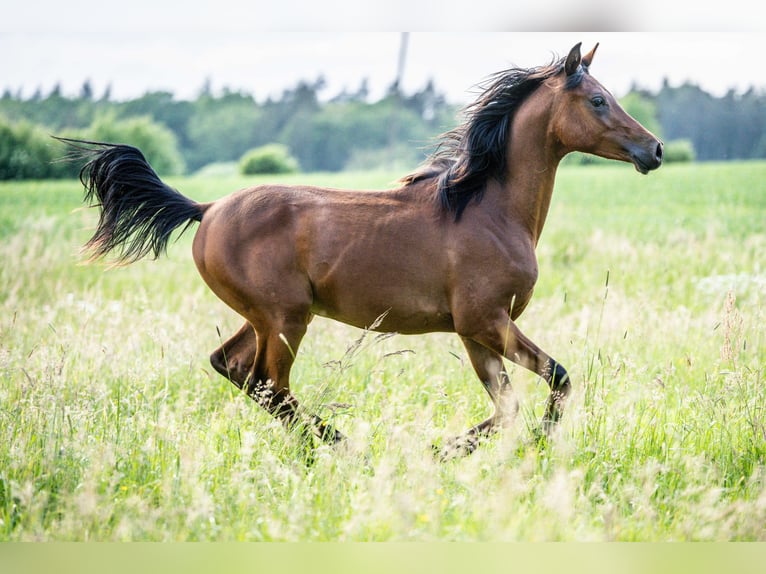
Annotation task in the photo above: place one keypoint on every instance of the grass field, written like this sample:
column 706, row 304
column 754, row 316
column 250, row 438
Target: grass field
column 113, row 426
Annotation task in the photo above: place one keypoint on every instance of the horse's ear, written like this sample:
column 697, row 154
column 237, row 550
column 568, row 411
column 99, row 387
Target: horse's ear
column 588, row 58
column 573, row 60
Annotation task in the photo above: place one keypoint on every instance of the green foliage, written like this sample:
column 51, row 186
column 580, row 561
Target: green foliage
column 156, row 141
column 322, row 135
column 222, row 129
column 268, row 159
column 329, row 139
column 644, row 110
column 28, row 152
column 348, row 130
column 678, row 151
column 723, row 128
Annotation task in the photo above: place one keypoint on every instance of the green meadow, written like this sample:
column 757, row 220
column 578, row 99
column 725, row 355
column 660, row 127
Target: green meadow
column 114, row 427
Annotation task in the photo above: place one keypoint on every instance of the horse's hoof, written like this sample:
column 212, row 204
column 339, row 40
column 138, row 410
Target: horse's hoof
column 456, row 448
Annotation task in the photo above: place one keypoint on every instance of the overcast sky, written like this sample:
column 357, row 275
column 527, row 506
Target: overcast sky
column 143, row 46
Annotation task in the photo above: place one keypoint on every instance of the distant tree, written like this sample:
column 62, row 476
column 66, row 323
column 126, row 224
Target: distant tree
column 327, row 140
column 157, row 142
column 347, row 130
column 426, row 103
column 363, row 92
column 759, row 151
column 222, row 129
column 86, row 92
column 644, row 110
column 163, row 108
column 28, row 152
column 719, row 128
column 742, row 123
column 206, row 91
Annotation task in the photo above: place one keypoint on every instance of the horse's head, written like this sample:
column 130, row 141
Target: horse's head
column 587, row 118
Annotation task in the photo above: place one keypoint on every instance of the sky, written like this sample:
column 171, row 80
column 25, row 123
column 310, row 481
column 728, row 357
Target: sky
column 146, row 46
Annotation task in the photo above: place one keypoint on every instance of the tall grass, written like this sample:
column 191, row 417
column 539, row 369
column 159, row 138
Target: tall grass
column 114, row 427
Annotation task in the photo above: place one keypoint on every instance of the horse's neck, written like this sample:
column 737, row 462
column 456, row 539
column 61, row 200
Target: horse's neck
column 532, row 163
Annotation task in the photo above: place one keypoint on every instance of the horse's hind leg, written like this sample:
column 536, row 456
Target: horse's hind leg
column 491, row 371
column 270, row 380
column 234, row 359
column 259, row 363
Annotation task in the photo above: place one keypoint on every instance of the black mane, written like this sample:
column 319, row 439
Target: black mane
column 474, row 152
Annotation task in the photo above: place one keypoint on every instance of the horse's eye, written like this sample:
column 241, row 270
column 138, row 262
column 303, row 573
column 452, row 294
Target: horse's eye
column 598, row 101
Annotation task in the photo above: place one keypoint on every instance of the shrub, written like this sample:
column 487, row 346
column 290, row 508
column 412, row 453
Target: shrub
column 268, row 159
column 679, row 151
column 27, row 152
column 155, row 141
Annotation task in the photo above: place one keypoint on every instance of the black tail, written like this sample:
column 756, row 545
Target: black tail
column 138, row 211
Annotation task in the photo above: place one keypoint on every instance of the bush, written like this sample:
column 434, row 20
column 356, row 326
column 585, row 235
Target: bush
column 155, row 141
column 679, row 151
column 268, row 159
column 328, row 139
column 28, row 152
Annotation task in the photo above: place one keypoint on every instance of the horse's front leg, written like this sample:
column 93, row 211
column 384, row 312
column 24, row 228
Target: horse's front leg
column 504, row 338
column 558, row 380
column 490, row 369
column 521, row 350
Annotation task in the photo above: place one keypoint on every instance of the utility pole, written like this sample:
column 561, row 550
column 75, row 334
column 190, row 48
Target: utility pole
column 402, row 59
column 396, row 96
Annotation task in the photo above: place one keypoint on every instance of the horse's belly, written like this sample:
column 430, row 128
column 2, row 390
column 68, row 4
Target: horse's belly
column 406, row 313
column 390, row 323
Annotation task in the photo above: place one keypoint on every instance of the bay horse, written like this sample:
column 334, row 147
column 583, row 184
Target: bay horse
column 451, row 249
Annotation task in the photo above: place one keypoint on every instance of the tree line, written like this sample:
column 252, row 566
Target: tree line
column 345, row 131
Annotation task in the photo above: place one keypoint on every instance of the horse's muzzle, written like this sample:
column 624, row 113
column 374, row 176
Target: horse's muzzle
column 647, row 158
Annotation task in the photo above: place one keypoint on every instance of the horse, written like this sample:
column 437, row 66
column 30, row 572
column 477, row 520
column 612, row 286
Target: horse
column 450, row 249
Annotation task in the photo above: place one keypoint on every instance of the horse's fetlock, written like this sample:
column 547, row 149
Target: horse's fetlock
column 559, row 378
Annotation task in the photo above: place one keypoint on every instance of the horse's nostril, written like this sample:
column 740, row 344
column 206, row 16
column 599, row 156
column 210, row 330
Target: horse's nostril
column 658, row 153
